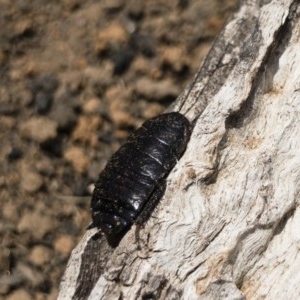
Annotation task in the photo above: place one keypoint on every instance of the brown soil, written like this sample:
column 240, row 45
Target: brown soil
column 76, row 78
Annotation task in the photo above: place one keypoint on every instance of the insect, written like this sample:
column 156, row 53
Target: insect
column 131, row 184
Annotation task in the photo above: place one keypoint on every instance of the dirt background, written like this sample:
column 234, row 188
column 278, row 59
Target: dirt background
column 76, row 77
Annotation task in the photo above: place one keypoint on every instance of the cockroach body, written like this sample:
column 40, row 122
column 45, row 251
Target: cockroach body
column 131, row 184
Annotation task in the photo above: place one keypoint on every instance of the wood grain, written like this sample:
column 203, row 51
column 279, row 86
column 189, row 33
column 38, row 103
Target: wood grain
column 228, row 225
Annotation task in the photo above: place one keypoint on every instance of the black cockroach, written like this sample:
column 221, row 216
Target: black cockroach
column 132, row 182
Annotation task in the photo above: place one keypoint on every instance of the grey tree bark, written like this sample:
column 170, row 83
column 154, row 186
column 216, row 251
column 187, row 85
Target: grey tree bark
column 228, row 224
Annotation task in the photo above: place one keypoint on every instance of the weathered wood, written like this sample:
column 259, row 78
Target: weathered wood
column 228, row 225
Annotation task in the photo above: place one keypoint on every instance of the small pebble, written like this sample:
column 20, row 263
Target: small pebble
column 9, row 212
column 7, row 122
column 20, row 294
column 122, row 119
column 173, row 57
column 157, row 90
column 30, row 274
column 39, row 129
column 24, row 28
column 40, row 255
column 86, row 130
column 45, row 167
column 26, row 97
column 31, row 181
column 43, row 102
column 99, row 78
column 153, row 109
column 114, row 34
column 64, row 244
column 78, row 159
column 64, row 116
column 73, row 81
column 36, row 223
column 47, row 83
column 91, row 106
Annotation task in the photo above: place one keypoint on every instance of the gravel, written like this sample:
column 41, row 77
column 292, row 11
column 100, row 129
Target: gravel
column 76, row 78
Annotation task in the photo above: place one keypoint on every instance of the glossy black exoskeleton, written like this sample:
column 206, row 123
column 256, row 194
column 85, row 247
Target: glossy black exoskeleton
column 131, row 184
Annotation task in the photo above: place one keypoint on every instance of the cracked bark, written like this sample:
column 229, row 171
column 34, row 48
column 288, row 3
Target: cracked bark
column 228, row 224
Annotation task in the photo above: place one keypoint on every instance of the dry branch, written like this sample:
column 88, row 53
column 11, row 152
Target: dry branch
column 228, row 224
